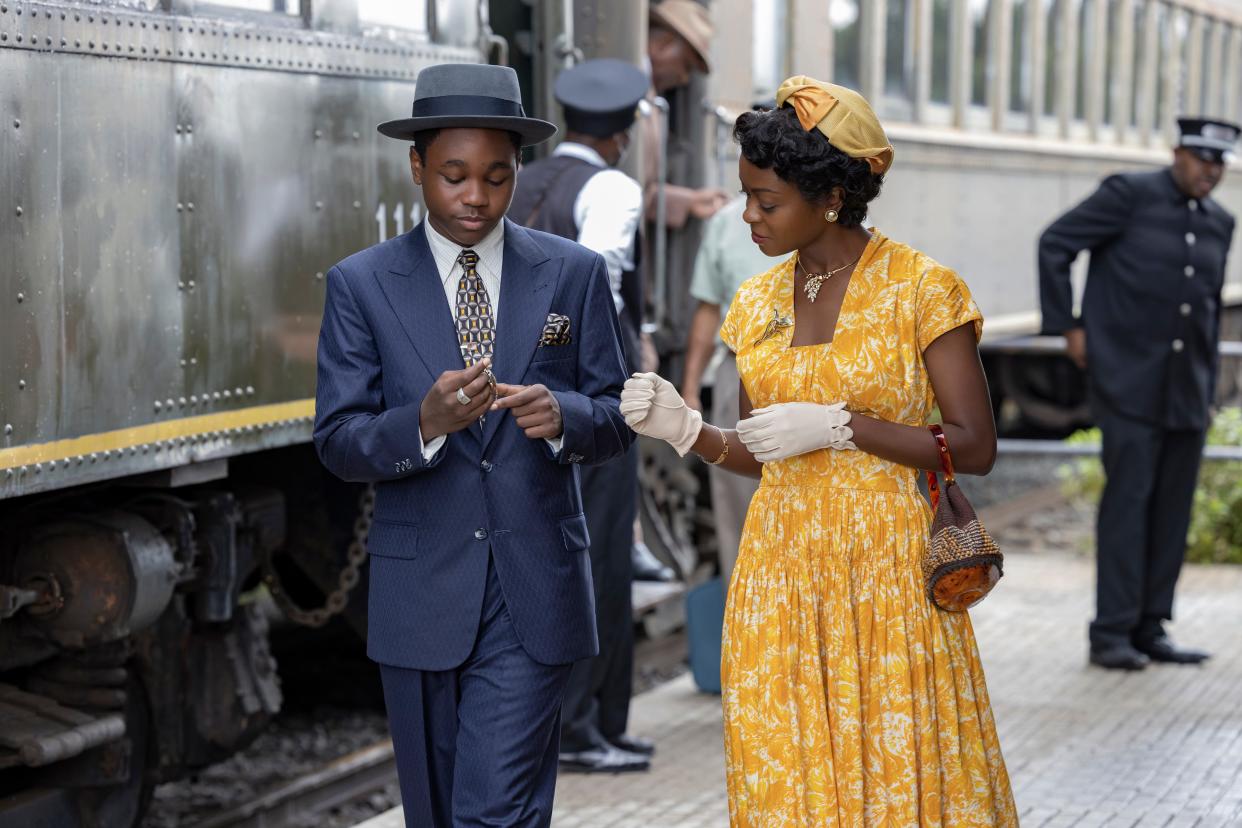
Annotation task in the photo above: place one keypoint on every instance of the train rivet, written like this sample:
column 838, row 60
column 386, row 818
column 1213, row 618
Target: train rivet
column 168, row 403
column 181, row 401
column 319, row 276
column 8, row 474
column 193, row 399
column 158, row 406
column 145, row 448
column 357, row 136
column 180, row 285
column 21, row 297
column 8, row 429
column 20, row 211
column 319, row 133
column 357, row 205
column 189, row 129
column 17, row 124
column 318, row 206
column 238, row 391
column 93, row 457
column 180, row 207
column 21, row 385
column 194, row 360
column 190, row 284
column 250, row 390
column 227, row 394
column 184, row 363
column 80, row 459
column 215, row 395
column 190, row 206
column 38, row 468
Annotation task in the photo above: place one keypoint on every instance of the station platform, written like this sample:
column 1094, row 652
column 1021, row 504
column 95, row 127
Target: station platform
column 1085, row 747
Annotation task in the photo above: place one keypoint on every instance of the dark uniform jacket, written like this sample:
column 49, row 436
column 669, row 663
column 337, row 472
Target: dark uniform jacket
column 544, row 200
column 1152, row 304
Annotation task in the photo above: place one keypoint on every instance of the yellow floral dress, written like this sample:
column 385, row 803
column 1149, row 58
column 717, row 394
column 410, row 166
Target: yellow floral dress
column 849, row 699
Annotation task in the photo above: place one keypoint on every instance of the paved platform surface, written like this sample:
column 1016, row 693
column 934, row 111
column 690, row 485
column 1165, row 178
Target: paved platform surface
column 1085, row 747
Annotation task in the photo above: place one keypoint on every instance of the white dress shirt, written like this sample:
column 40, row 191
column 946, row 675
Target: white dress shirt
column 491, row 252
column 607, row 211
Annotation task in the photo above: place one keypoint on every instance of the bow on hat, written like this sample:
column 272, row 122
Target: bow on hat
column 842, row 115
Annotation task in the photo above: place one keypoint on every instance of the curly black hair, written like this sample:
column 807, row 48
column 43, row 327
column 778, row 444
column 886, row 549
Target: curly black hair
column 776, row 140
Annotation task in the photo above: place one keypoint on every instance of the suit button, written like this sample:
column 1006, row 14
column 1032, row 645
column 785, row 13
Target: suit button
column 1189, row 270
column 1190, row 238
column 480, row 534
column 1178, row 345
column 1184, row 310
column 486, row 465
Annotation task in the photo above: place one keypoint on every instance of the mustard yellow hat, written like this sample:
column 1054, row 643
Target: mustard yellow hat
column 846, row 119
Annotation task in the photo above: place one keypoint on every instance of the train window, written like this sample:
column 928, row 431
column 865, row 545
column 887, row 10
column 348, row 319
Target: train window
column 942, row 50
column 899, row 48
column 456, row 23
column 1020, row 58
column 1141, row 58
column 1088, row 42
column 846, row 19
column 1052, row 49
column 289, row 7
column 771, row 46
column 1208, row 68
column 400, row 14
column 981, row 70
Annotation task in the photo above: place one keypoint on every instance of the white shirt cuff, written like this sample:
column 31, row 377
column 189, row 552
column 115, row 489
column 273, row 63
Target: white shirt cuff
column 430, row 450
column 555, row 443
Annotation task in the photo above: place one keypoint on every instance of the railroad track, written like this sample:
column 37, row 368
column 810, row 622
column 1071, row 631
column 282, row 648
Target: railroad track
column 340, row 781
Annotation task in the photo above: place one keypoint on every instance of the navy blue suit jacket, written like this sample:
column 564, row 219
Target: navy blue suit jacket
column 387, row 335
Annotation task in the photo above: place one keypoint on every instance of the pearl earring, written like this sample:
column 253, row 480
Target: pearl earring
column 830, row 216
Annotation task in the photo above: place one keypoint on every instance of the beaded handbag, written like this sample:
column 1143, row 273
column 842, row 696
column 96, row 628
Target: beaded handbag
column 962, row 563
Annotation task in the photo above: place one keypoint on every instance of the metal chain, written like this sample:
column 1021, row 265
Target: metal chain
column 338, row 598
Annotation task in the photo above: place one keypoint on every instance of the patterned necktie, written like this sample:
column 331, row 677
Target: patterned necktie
column 476, row 325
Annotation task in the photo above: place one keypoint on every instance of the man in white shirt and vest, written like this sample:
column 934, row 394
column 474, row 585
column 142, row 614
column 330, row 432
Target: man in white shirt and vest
column 577, row 193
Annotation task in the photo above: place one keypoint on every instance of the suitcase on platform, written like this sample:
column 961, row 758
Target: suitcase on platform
column 705, row 607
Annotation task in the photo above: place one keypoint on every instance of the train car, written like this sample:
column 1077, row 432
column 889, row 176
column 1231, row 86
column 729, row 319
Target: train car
column 176, row 176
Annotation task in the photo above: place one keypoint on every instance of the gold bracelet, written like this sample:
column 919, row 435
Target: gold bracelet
column 724, row 452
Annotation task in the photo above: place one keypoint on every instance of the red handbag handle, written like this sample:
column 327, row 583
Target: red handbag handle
column 946, row 464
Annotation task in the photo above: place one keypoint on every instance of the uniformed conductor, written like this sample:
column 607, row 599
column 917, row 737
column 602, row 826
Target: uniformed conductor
column 577, row 193
column 1147, row 337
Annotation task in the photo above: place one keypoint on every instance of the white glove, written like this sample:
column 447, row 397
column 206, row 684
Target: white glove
column 789, row 429
column 652, row 407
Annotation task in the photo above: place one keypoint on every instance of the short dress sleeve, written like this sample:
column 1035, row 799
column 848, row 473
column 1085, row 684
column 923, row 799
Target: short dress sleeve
column 943, row 303
column 732, row 329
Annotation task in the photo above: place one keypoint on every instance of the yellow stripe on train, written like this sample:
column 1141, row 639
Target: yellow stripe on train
column 126, row 438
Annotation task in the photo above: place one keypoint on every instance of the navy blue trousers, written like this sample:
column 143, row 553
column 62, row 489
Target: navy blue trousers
column 1141, row 529
column 477, row 746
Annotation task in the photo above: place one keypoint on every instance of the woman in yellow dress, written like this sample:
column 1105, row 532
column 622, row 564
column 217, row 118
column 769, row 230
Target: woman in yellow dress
column 849, row 699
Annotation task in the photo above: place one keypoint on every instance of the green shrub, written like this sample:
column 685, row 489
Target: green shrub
column 1216, row 523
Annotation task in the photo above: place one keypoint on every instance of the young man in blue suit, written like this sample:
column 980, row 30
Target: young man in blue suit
column 466, row 368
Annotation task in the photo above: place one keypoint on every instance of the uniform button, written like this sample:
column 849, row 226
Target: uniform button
column 1189, row 271
column 1178, row 345
column 1184, row 309
column 486, row 465
column 1190, row 238
column 480, row 534
column 1192, row 204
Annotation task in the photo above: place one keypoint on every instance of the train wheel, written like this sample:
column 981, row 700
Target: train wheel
column 124, row 805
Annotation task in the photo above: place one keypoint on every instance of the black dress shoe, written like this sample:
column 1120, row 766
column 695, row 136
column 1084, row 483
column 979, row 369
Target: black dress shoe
column 603, row 760
column 1118, row 657
column 632, row 744
column 1163, row 650
column 647, row 567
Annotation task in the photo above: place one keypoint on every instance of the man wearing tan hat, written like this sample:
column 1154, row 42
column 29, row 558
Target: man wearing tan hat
column 678, row 44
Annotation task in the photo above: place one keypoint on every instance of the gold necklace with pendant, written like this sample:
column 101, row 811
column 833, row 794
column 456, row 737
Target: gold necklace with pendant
column 814, row 281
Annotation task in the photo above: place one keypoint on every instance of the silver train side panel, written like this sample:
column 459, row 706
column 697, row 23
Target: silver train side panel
column 172, row 190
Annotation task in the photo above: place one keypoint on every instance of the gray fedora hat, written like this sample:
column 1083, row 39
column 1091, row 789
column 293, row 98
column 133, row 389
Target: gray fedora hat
column 468, row 95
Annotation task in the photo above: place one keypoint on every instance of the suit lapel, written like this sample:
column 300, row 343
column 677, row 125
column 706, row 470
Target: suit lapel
column 413, row 288
column 528, row 282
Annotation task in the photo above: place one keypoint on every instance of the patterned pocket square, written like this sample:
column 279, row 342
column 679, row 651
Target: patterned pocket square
column 556, row 330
